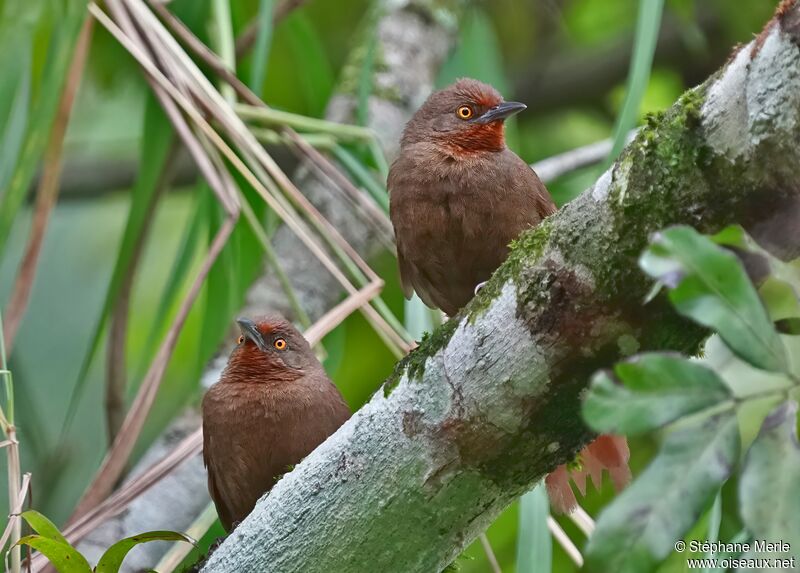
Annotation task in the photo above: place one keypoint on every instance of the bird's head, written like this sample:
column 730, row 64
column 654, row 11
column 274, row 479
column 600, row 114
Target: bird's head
column 467, row 116
column 269, row 349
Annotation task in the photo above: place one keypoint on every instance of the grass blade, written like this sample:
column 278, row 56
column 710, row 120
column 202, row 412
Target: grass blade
column 258, row 67
column 644, row 47
column 534, row 544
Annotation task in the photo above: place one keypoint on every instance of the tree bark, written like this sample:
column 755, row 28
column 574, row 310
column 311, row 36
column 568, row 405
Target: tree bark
column 490, row 402
column 401, row 81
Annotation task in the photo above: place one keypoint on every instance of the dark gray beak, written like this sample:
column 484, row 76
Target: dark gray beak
column 250, row 330
column 501, row 111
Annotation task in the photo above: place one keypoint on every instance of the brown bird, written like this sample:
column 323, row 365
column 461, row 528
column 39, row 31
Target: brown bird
column 458, row 197
column 272, row 406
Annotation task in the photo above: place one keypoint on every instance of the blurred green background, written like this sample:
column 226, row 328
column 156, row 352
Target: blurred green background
column 568, row 60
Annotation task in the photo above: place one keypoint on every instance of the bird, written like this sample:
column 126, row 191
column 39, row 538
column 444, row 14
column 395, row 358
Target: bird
column 458, row 196
column 272, row 406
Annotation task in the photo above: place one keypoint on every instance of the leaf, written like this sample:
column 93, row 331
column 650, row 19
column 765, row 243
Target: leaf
column 650, row 391
column 112, row 559
column 712, row 288
column 43, row 526
column 735, row 236
column 534, row 544
column 258, row 68
column 310, row 55
column 769, row 488
column 648, row 23
column 48, row 85
column 62, row 556
column 640, row 528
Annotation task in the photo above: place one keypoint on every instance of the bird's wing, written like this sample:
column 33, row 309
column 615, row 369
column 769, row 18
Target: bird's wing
column 213, row 488
column 405, row 272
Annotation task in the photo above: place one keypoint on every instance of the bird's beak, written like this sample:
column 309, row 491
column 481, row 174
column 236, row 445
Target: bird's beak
column 250, row 330
column 501, row 111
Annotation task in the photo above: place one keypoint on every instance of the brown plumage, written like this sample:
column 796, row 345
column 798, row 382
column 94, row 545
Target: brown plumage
column 458, row 195
column 271, row 407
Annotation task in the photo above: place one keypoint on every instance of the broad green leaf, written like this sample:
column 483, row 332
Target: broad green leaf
column 650, row 391
column 769, row 488
column 640, row 528
column 112, row 559
column 43, row 526
column 534, row 544
column 648, row 24
column 711, row 287
column 62, row 556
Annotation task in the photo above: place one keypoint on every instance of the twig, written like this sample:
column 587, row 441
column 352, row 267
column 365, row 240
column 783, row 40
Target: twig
column 49, row 186
column 583, row 520
column 116, row 368
column 338, row 313
column 490, row 556
column 563, row 539
column 554, row 167
column 14, row 514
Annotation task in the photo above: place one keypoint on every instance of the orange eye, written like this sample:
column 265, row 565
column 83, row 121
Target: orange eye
column 241, row 339
column 279, row 343
column 464, row 112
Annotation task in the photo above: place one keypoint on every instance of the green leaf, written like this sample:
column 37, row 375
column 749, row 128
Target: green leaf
column 310, row 55
column 14, row 133
column 47, row 84
column 112, row 559
column 258, row 69
column 709, row 285
column 644, row 47
column 736, row 237
column 534, row 544
column 639, row 529
column 43, row 526
column 769, row 488
column 62, row 556
column 650, row 391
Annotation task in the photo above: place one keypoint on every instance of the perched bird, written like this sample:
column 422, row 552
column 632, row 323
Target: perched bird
column 458, row 196
column 271, row 407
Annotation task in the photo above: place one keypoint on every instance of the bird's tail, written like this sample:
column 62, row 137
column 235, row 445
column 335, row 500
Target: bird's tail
column 606, row 452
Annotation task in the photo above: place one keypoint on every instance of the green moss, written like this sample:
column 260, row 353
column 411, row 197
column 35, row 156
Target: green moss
column 524, row 250
column 414, row 362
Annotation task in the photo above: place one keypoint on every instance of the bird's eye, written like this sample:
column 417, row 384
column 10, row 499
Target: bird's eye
column 241, row 339
column 279, row 343
column 464, row 112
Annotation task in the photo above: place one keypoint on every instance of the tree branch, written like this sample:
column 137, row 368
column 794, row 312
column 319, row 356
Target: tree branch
column 491, row 401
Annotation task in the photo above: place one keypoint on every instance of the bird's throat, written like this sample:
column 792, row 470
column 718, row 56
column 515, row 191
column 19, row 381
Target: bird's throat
column 477, row 138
